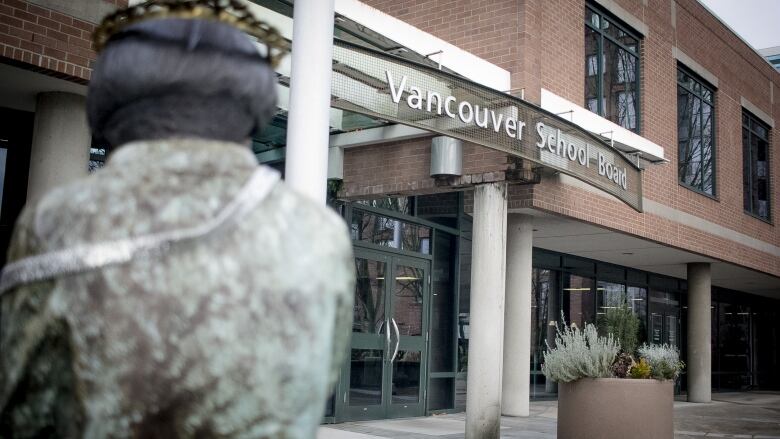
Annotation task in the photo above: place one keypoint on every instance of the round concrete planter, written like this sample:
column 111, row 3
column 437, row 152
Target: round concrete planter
column 607, row 408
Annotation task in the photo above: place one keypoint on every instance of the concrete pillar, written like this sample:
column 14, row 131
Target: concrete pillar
column 486, row 321
column 699, row 328
column 517, row 318
column 60, row 144
column 308, row 123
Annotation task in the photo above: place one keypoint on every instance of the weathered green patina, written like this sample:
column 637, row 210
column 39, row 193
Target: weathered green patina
column 238, row 334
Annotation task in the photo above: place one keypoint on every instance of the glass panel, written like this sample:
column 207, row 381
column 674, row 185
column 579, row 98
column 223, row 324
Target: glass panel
column 330, row 406
column 365, row 377
column 408, row 300
column 3, row 156
column 610, row 295
column 734, row 343
column 441, row 394
column 403, row 205
column 616, row 31
column 375, row 229
column 707, row 155
column 439, row 208
column 390, row 232
column 406, row 377
column 746, row 172
column 416, row 238
column 637, row 300
column 463, row 304
column 369, row 309
column 756, row 172
column 620, row 85
column 592, row 78
column 544, row 313
column 656, row 328
column 442, row 345
column 591, row 18
column 672, row 324
column 579, row 300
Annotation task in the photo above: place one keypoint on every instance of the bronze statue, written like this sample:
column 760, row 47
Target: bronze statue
column 182, row 290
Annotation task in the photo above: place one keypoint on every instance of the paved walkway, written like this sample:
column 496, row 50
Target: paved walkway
column 730, row 415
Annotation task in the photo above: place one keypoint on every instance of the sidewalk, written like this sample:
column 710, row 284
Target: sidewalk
column 730, row 415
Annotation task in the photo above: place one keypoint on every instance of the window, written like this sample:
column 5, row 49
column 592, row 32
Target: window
column 611, row 69
column 695, row 133
column 755, row 165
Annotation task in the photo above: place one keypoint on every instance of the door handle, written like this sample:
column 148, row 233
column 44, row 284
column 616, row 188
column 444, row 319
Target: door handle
column 397, row 339
column 387, row 336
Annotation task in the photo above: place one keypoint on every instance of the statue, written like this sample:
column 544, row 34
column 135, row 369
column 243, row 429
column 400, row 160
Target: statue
column 182, row 290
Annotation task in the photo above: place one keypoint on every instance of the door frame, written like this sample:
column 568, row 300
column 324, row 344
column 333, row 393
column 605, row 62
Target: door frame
column 343, row 412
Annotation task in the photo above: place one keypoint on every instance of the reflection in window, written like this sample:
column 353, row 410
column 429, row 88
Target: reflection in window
column 695, row 133
column 544, row 315
column 365, row 377
column 406, row 377
column 369, row 309
column 578, row 300
column 611, row 70
column 390, row 232
column 755, row 171
column 408, row 301
column 97, row 159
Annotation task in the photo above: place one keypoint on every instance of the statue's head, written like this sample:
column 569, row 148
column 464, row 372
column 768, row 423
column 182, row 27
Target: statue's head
column 166, row 71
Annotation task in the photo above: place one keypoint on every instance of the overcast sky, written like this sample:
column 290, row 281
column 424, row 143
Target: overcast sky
column 756, row 21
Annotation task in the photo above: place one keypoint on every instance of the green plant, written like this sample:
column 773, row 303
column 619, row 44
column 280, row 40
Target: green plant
column 623, row 324
column 641, row 370
column 579, row 354
column 664, row 360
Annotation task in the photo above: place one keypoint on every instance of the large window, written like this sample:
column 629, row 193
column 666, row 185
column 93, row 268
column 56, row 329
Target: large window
column 755, row 166
column 695, row 133
column 611, row 69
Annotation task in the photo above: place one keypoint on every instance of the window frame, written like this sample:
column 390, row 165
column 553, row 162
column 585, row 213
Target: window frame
column 712, row 103
column 600, row 56
column 752, row 119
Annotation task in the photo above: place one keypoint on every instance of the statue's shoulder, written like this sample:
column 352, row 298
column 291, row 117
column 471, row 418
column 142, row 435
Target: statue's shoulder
column 305, row 215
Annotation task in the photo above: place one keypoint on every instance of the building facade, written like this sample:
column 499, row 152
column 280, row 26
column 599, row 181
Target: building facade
column 508, row 164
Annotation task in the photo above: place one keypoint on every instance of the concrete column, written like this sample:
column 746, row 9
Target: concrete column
column 308, row 125
column 60, row 144
column 486, row 321
column 517, row 318
column 699, row 327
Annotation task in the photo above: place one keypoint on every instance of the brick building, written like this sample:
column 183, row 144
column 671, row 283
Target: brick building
column 651, row 183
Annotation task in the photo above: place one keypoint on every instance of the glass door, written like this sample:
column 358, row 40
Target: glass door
column 664, row 318
column 387, row 361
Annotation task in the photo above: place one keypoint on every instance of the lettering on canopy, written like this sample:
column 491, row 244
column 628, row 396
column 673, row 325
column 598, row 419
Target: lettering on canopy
column 390, row 88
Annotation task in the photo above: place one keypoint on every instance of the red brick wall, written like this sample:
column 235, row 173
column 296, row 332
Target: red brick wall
column 47, row 41
column 404, row 167
column 546, row 50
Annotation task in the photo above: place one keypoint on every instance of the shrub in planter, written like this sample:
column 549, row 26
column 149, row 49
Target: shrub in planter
column 623, row 324
column 664, row 361
column 579, row 353
column 592, row 403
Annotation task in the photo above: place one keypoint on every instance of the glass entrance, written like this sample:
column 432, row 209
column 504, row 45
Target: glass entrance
column 664, row 318
column 385, row 375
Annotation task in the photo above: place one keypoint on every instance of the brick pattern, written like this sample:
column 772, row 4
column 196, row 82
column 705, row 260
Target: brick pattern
column 542, row 45
column 404, row 168
column 47, row 41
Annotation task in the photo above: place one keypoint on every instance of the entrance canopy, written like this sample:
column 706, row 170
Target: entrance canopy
column 377, row 82
column 391, row 88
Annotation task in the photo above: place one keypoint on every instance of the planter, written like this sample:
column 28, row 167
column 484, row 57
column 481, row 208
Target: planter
column 607, row 408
